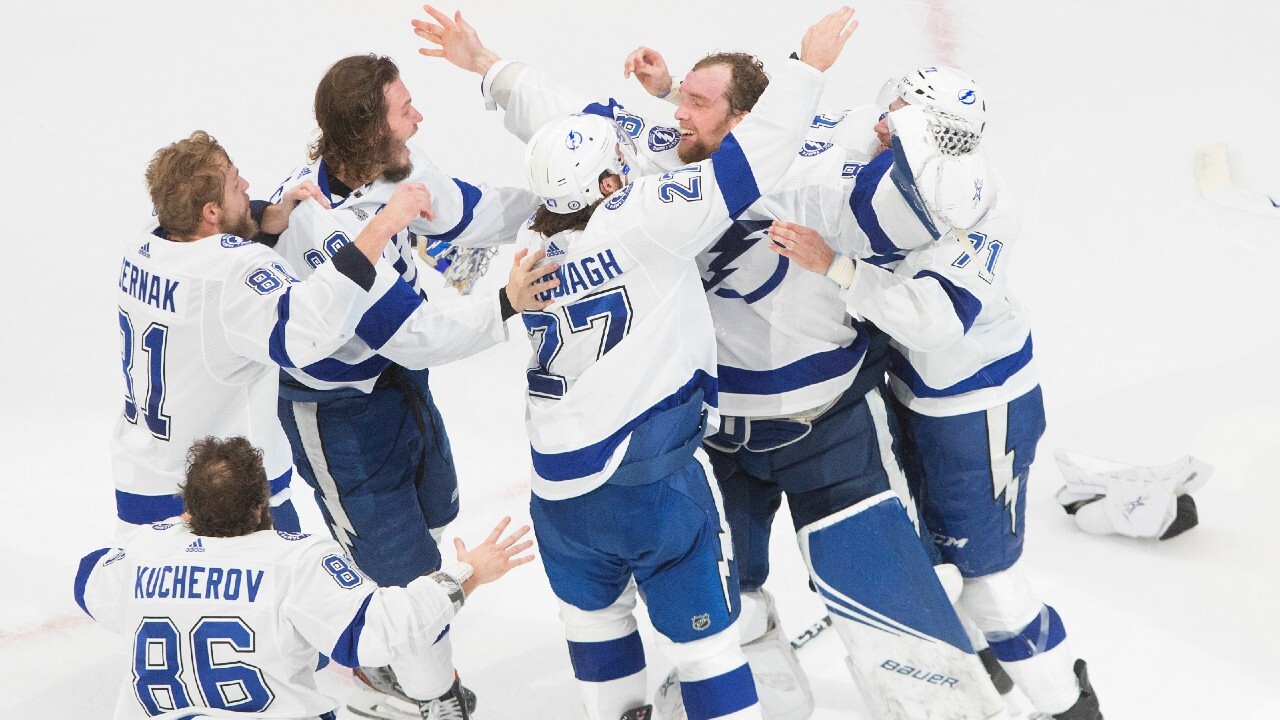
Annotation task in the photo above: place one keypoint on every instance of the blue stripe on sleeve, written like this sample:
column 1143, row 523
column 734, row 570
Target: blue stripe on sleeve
column 336, row 371
column 733, row 175
column 804, row 372
column 993, row 375
column 380, row 322
column 345, row 650
column 276, row 344
column 864, row 212
column 279, row 484
column 904, row 179
column 607, row 660
column 87, row 564
column 144, row 509
column 720, row 695
column 470, row 198
column 967, row 305
column 592, row 458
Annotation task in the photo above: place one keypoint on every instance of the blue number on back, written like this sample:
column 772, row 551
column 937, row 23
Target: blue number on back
column 687, row 188
column 228, row 685
column 610, row 308
column 993, row 248
column 154, row 343
column 157, row 667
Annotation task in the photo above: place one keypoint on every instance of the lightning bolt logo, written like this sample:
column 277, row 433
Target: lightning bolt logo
column 731, row 245
column 1003, row 480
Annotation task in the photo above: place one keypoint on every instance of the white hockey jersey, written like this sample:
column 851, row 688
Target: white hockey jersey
column 425, row 334
column 205, row 327
column 961, row 340
column 629, row 333
column 238, row 624
column 785, row 343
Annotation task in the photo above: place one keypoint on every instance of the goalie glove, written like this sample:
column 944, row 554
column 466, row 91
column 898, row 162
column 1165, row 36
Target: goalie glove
column 938, row 167
column 461, row 267
column 1108, row 497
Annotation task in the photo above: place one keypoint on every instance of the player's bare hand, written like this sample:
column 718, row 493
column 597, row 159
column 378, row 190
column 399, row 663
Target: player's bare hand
column 650, row 69
column 409, row 202
column 801, row 245
column 528, row 280
column 458, row 42
column 825, row 40
column 302, row 191
column 494, row 557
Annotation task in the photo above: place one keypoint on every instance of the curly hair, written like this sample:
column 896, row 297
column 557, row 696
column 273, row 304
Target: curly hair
column 182, row 178
column 747, row 78
column 549, row 223
column 351, row 111
column 226, row 492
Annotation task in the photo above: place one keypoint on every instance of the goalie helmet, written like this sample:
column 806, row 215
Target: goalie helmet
column 567, row 159
column 942, row 87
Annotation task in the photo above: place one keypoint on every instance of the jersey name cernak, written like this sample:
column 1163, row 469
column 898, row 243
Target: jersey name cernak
column 196, row 582
column 580, row 275
column 147, row 287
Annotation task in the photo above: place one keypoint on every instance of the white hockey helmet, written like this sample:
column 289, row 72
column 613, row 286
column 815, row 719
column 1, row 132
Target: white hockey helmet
column 566, row 160
column 945, row 88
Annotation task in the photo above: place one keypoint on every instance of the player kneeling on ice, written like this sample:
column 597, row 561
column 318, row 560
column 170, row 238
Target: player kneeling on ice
column 228, row 614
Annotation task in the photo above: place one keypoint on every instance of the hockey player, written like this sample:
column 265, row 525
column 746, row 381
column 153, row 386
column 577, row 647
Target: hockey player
column 962, row 371
column 633, row 309
column 225, row 612
column 207, row 318
column 365, row 431
column 790, row 358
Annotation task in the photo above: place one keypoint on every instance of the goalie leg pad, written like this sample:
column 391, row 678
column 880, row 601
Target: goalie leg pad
column 908, row 652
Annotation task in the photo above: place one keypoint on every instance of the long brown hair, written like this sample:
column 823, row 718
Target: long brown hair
column 351, row 111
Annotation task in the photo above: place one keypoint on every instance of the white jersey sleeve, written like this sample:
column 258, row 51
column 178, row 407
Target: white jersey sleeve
column 402, row 327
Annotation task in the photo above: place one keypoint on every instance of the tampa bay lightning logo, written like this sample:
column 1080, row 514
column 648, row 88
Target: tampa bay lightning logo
column 812, row 148
column 663, row 138
column 615, row 200
column 574, row 140
column 292, row 535
column 967, row 96
column 725, row 254
column 231, row 241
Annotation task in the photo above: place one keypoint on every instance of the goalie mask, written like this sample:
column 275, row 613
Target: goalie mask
column 942, row 87
column 567, row 159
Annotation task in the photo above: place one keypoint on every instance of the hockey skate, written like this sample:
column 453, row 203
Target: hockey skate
column 378, row 695
column 1086, row 706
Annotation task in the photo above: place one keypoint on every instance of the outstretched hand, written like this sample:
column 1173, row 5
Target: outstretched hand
column 824, row 41
column 528, row 280
column 801, row 245
column 459, row 43
column 650, row 69
column 492, row 559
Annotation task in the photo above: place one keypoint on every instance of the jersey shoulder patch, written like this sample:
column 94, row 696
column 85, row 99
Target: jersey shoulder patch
column 615, row 200
column 662, row 138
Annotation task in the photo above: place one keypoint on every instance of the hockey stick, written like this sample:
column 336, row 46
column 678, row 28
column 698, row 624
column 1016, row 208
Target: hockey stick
column 1214, row 178
column 811, row 632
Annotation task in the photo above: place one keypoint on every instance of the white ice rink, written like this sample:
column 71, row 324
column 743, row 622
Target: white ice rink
column 1155, row 313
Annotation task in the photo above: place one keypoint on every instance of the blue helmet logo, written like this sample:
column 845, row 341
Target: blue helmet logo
column 574, row 141
column 967, row 96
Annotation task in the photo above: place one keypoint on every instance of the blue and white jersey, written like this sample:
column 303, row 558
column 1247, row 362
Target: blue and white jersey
column 961, row 340
column 205, row 327
column 239, row 623
column 629, row 334
column 407, row 330
column 785, row 342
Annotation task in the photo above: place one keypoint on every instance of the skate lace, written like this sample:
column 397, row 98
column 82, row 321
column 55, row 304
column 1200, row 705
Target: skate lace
column 447, row 709
column 952, row 134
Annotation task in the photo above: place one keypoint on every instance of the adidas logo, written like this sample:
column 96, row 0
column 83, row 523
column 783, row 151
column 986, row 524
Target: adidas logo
column 197, row 546
column 145, row 250
column 554, row 250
